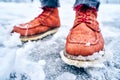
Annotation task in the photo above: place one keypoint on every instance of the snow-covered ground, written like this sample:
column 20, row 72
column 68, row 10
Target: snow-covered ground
column 41, row 60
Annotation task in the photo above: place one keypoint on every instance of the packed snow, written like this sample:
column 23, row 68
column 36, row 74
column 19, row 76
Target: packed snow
column 41, row 60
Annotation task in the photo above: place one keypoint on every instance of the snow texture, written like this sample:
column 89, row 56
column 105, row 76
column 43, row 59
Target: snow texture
column 69, row 76
column 41, row 60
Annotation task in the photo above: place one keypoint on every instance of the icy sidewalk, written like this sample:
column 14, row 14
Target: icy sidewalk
column 41, row 60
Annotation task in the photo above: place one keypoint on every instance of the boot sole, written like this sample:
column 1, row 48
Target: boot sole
column 38, row 36
column 83, row 63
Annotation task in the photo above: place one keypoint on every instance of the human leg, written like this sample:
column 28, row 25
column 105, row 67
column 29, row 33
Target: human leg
column 91, row 3
column 50, row 3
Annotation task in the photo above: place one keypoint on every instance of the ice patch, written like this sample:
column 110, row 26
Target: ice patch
column 23, row 65
column 66, row 76
column 33, row 69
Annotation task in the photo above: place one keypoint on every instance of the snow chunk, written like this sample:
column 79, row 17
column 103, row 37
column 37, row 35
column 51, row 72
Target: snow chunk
column 7, row 61
column 66, row 76
column 23, row 65
column 87, row 44
column 33, row 69
column 42, row 62
column 3, row 35
column 94, row 56
column 13, row 41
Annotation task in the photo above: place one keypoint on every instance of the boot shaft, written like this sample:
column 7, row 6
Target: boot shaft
column 49, row 17
column 86, row 15
column 83, row 9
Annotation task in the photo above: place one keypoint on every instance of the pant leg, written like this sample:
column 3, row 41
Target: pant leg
column 90, row 3
column 50, row 3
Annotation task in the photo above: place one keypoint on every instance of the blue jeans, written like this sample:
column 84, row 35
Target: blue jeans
column 55, row 3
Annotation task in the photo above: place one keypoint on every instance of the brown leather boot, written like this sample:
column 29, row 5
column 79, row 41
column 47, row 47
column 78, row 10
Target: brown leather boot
column 47, row 20
column 85, row 37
